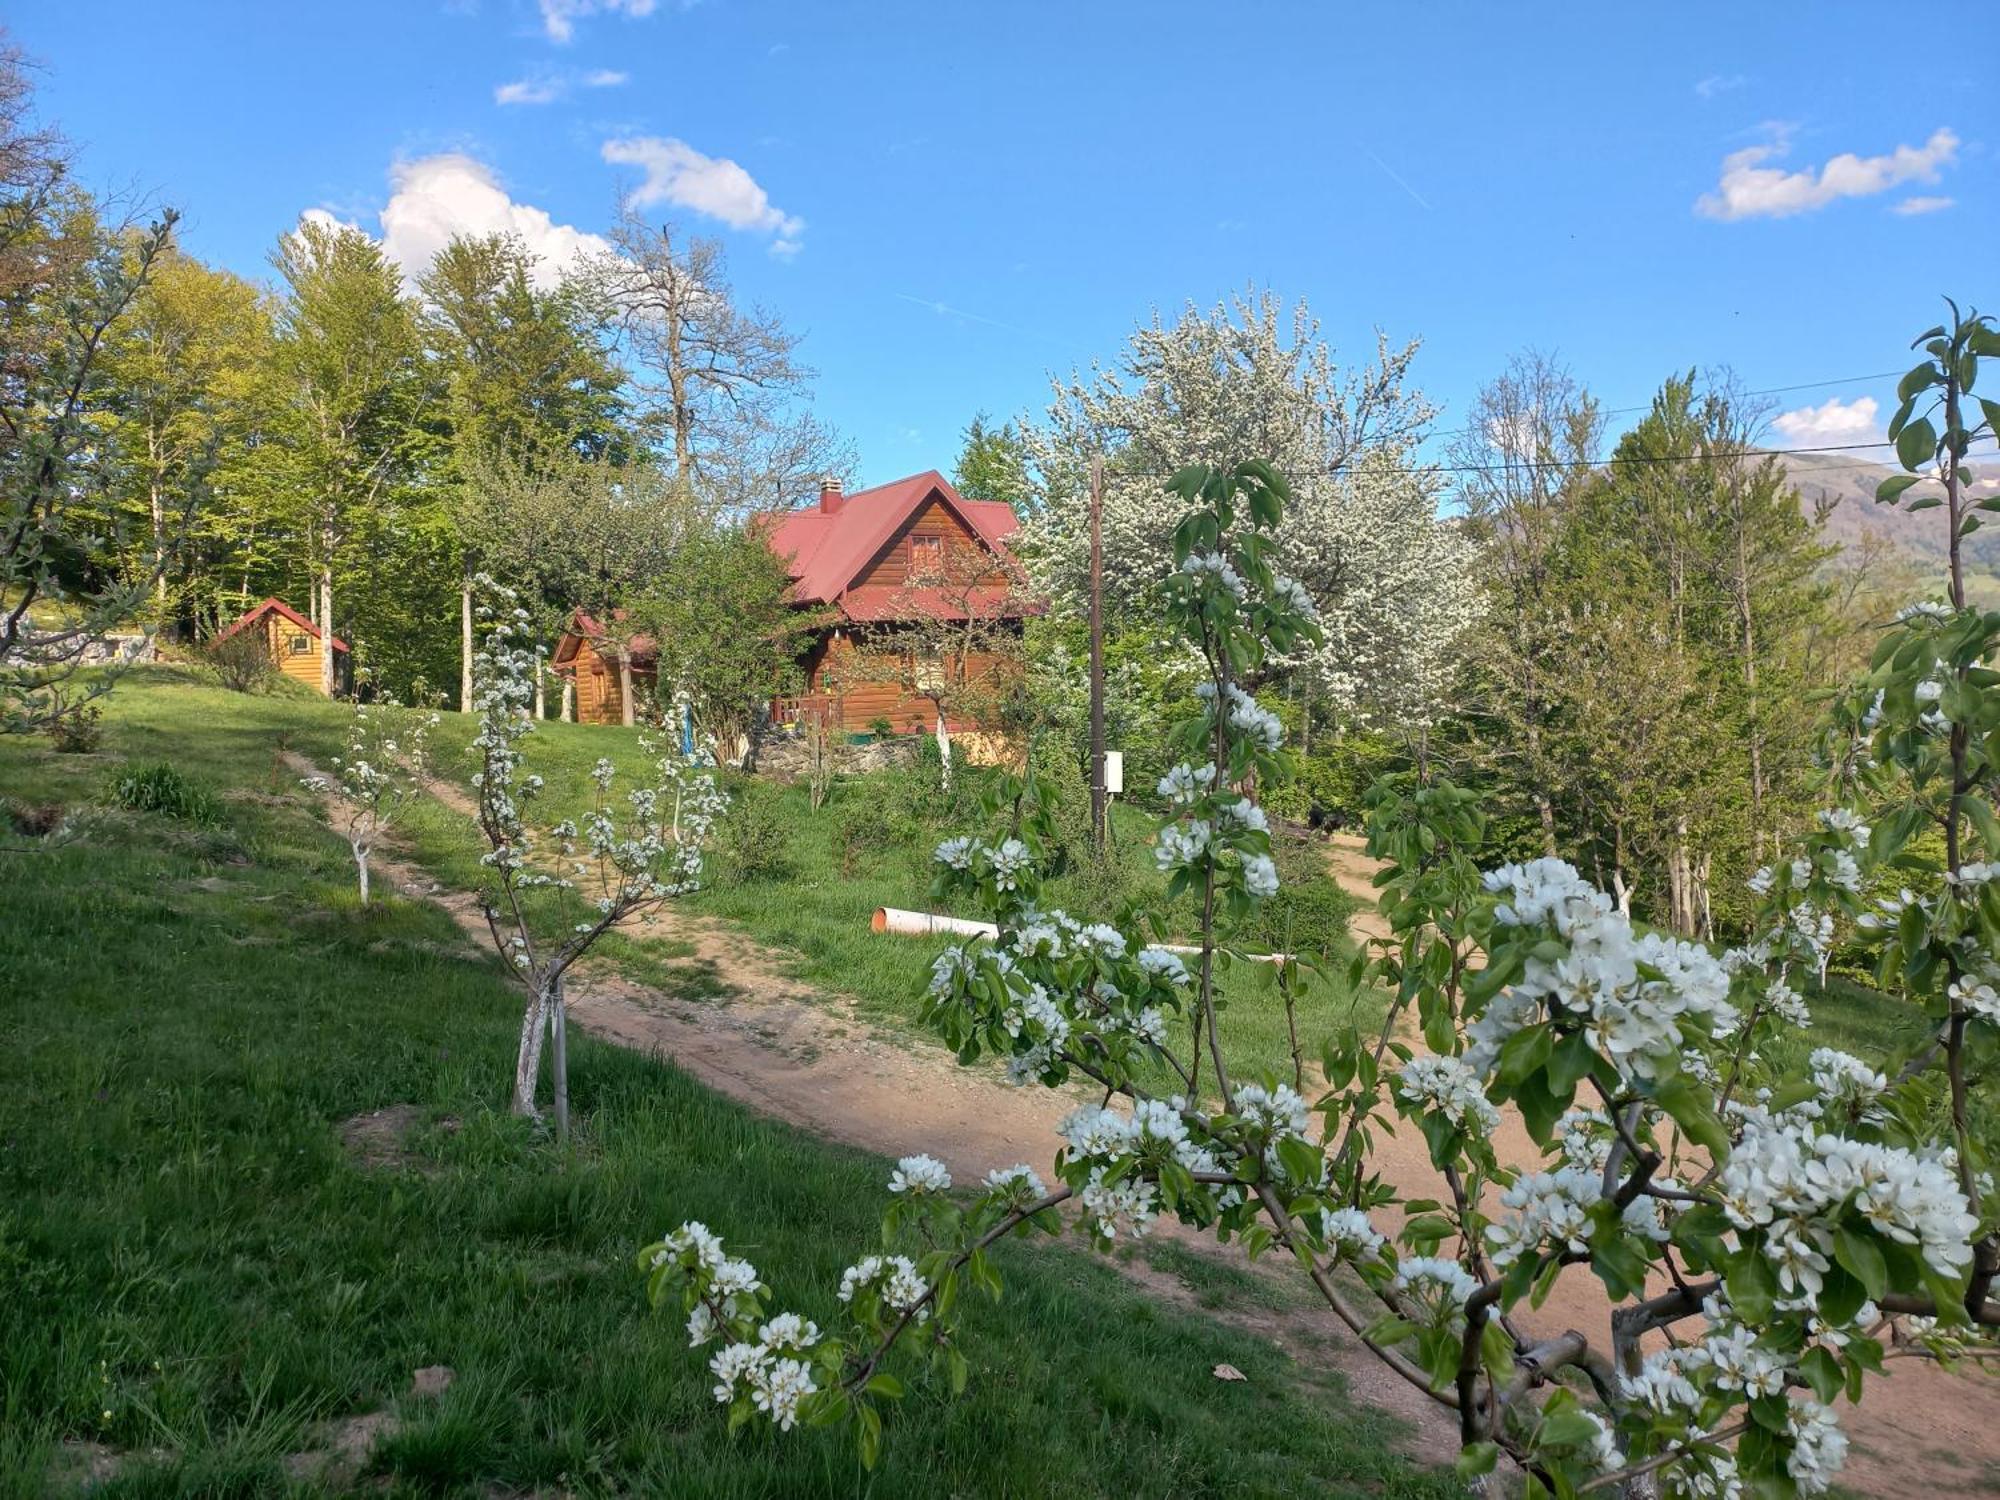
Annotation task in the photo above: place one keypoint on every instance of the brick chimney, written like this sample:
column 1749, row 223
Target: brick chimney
column 830, row 497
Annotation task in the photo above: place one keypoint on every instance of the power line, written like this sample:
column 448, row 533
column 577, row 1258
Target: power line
column 1767, row 391
column 1611, row 461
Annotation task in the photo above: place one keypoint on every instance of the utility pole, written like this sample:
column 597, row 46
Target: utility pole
column 1097, row 808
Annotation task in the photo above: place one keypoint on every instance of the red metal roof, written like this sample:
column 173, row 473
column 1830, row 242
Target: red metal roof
column 275, row 606
column 828, row 550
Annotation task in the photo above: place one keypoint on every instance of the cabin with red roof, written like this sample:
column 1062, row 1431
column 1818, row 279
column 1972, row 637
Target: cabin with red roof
column 594, row 660
column 878, row 562
column 292, row 640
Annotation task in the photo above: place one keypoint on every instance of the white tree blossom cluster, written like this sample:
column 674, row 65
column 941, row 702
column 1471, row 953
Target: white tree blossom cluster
column 380, row 773
column 1390, row 580
column 548, row 903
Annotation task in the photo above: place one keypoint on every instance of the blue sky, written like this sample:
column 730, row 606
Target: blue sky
column 950, row 201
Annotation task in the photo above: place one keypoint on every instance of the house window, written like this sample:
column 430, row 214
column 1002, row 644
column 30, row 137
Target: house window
column 301, row 645
column 926, row 554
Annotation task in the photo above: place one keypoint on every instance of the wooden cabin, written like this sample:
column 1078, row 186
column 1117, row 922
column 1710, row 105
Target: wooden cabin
column 293, row 642
column 587, row 657
column 868, row 562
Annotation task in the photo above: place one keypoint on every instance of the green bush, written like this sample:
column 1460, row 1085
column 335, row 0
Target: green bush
column 162, row 789
column 77, row 729
column 1310, row 911
column 241, row 662
column 755, row 840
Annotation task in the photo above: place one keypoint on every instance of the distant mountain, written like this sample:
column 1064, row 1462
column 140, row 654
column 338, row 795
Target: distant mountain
column 1844, row 488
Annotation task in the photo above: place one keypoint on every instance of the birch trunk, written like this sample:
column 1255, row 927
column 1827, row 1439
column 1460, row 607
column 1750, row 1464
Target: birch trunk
column 326, row 678
column 159, row 545
column 625, row 687
column 465, row 644
column 361, row 869
column 541, row 703
column 569, row 701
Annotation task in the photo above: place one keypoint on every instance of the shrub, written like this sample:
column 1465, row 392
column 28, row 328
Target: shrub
column 755, row 835
column 1310, row 911
column 241, row 662
column 163, row 789
column 77, row 728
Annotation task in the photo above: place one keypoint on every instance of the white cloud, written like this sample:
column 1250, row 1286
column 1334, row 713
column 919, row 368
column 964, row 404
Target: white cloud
column 546, row 88
column 436, row 197
column 1833, row 423
column 1750, row 190
column 559, row 17
column 1719, row 83
column 713, row 185
column 1922, row 205
column 529, row 91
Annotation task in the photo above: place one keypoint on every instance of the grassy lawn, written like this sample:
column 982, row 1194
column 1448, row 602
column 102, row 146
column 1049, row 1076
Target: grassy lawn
column 816, row 909
column 201, row 1271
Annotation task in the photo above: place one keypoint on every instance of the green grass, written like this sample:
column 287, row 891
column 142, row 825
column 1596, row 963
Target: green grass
column 196, row 1265
column 817, row 911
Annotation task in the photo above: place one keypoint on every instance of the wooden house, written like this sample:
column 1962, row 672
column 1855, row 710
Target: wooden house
column 588, row 657
column 293, row 641
column 897, row 562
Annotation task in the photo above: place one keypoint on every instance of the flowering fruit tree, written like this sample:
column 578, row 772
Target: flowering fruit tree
column 1766, row 1230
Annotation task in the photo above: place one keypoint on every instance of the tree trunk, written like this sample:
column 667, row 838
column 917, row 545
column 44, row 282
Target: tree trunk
column 326, row 677
column 361, row 869
column 626, row 716
column 944, row 752
column 465, row 644
column 1683, row 913
column 541, row 703
column 528, row 1057
column 559, row 1057
column 569, row 701
column 159, row 544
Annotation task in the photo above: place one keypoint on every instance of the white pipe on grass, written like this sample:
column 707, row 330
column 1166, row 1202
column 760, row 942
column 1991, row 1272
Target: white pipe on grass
column 900, row 923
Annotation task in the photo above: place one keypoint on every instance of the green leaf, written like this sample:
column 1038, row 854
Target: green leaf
column 1894, row 485
column 1570, row 1062
column 1916, row 444
column 1917, row 378
column 1840, row 1296
column 1566, row 1428
column 1981, row 813
column 886, row 1384
column 1475, row 1459
column 1525, row 1052
column 1858, row 1253
column 1752, row 1286
column 1929, row 502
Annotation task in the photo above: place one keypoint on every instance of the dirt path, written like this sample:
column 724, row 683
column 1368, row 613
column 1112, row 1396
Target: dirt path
column 1354, row 872
column 803, row 1056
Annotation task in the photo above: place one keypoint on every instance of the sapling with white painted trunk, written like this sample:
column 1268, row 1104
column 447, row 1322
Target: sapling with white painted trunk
column 382, row 771
column 547, row 904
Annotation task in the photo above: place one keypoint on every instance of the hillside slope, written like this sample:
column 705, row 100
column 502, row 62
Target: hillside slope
column 1843, row 490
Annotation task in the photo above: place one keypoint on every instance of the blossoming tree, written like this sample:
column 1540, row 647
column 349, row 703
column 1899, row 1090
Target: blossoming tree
column 383, row 771
column 615, row 865
column 1760, row 1223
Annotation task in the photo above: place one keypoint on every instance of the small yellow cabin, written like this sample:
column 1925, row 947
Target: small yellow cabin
column 292, row 640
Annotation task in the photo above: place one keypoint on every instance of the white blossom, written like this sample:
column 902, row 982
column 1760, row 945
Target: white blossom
column 918, row 1175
